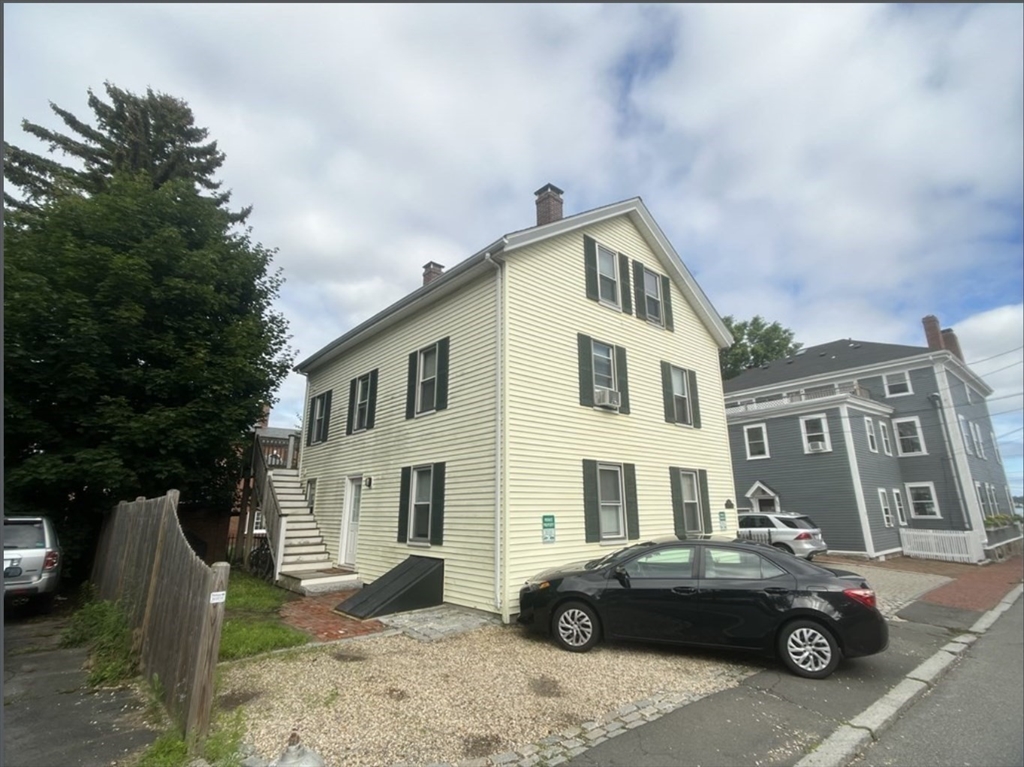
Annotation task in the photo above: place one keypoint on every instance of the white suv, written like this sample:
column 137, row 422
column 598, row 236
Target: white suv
column 32, row 560
column 795, row 533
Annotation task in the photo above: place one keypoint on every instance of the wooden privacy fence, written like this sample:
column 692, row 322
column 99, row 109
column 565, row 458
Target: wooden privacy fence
column 174, row 602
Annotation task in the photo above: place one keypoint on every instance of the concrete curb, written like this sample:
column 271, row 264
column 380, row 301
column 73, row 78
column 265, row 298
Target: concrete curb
column 847, row 742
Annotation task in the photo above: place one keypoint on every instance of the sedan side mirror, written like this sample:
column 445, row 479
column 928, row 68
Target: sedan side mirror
column 621, row 575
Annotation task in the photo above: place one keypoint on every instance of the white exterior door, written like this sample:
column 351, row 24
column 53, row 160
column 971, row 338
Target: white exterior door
column 350, row 521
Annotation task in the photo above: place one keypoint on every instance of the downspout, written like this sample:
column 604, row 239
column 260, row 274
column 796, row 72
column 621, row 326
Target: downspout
column 498, row 435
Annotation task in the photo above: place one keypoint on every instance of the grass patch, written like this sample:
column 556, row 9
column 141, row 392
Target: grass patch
column 247, row 593
column 243, row 637
column 103, row 627
column 169, row 750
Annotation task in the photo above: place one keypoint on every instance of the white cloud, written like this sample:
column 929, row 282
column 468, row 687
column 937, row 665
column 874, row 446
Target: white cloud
column 842, row 169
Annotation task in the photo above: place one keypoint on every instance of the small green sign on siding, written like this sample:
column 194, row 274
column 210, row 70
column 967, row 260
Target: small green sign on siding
column 548, row 528
column 721, row 520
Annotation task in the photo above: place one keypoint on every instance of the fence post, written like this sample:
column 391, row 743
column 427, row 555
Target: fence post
column 201, row 700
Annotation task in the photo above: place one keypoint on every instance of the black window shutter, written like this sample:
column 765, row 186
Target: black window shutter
column 586, row 358
column 327, row 416
column 666, row 302
column 691, row 385
column 441, row 402
column 310, row 416
column 632, row 510
column 437, row 505
column 351, row 418
column 371, row 414
column 410, row 392
column 590, row 265
column 622, row 379
column 403, row 505
column 678, row 518
column 624, row 291
column 705, row 502
column 638, row 290
column 591, row 503
column 666, row 392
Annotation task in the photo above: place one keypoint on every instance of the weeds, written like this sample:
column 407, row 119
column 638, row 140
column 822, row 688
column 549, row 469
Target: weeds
column 103, row 627
column 243, row 637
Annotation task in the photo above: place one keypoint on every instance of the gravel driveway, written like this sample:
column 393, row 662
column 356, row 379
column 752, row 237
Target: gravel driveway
column 495, row 691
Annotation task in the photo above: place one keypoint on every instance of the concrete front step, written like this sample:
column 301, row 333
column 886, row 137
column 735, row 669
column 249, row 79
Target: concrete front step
column 291, row 541
column 292, row 563
column 294, row 550
column 320, row 581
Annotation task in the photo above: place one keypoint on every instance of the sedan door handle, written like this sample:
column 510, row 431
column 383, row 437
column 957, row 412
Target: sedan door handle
column 685, row 590
column 776, row 590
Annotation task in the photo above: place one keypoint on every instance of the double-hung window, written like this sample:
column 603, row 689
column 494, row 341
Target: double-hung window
column 421, row 504
column 319, row 418
column 691, row 511
column 815, row 433
column 652, row 297
column 883, row 431
column 992, row 502
column 909, row 440
column 897, row 384
column 968, row 434
column 979, row 442
column 901, row 512
column 607, row 276
column 362, row 402
column 603, row 375
column 883, row 501
column 869, row 425
column 755, row 436
column 995, row 447
column 427, row 389
column 610, row 501
column 923, row 503
column 679, row 390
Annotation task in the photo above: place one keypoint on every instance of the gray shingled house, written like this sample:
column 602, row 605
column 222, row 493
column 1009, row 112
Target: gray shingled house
column 888, row 448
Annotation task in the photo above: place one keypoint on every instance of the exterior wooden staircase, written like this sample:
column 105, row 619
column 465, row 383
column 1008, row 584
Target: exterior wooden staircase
column 305, row 565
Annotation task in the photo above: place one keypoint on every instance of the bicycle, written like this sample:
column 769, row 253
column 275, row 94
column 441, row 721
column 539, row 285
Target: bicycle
column 261, row 560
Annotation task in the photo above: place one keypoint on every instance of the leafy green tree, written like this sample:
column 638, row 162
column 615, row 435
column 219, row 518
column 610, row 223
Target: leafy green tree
column 153, row 134
column 756, row 342
column 140, row 344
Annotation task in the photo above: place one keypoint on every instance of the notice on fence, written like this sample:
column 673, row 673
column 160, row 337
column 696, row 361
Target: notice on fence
column 216, row 597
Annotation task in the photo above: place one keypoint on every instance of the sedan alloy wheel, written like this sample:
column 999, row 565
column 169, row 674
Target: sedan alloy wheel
column 808, row 649
column 576, row 627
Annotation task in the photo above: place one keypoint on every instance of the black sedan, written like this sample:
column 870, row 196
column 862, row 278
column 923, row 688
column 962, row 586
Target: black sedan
column 712, row 593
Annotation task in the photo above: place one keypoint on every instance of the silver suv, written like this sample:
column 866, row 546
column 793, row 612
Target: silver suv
column 795, row 533
column 32, row 560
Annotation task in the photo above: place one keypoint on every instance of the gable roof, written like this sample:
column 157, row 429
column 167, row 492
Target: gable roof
column 481, row 261
column 833, row 357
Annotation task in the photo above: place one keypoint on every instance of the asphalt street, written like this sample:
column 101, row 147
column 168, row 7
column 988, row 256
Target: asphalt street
column 973, row 717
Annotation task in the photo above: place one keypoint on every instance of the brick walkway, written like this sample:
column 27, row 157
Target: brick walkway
column 974, row 587
column 315, row 615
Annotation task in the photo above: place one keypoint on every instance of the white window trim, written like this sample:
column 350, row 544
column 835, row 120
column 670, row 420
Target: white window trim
column 906, row 376
column 910, row 500
column 869, row 427
column 660, row 322
column 319, row 416
column 1009, row 499
column 696, row 489
column 993, row 504
column 901, row 510
column 689, row 399
column 420, row 380
column 967, row 434
column 824, row 425
column 979, row 489
column 618, row 278
column 979, row 442
column 412, row 506
column 995, row 447
column 617, row 467
column 883, row 500
column 883, row 430
column 920, row 435
column 360, row 381
column 764, row 438
column 593, row 366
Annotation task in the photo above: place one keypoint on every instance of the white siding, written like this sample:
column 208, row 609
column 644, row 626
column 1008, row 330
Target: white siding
column 462, row 436
column 549, row 433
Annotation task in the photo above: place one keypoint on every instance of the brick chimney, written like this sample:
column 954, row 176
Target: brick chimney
column 549, row 204
column 431, row 271
column 932, row 333
column 952, row 343
column 265, row 418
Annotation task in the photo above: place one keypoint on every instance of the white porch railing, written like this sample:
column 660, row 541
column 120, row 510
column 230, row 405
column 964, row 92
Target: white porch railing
column 839, row 390
column 947, row 545
column 266, row 501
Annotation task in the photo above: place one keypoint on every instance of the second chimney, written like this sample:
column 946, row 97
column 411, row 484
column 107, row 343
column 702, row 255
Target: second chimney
column 951, row 343
column 549, row 204
column 431, row 271
column 932, row 334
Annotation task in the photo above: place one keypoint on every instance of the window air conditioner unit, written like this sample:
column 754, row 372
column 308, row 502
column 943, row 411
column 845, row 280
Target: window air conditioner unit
column 606, row 398
column 817, row 447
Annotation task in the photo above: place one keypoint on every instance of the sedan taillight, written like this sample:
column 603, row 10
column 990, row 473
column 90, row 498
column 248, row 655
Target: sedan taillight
column 51, row 561
column 803, row 537
column 864, row 596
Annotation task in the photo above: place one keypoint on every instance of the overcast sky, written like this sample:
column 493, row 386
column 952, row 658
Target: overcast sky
column 844, row 170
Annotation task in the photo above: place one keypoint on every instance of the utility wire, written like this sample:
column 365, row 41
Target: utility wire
column 1001, row 354
column 1000, row 370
